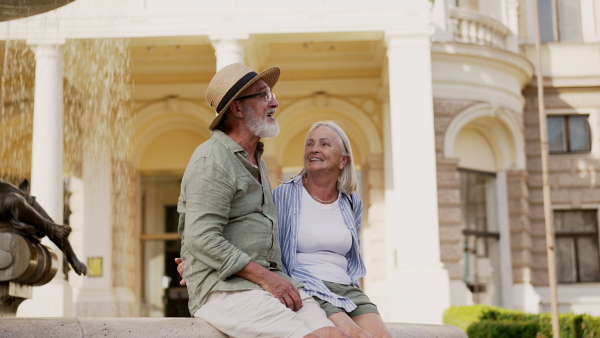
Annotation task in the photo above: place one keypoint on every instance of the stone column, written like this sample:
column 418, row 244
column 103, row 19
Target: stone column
column 228, row 50
column 94, row 297
column 512, row 22
column 419, row 284
column 525, row 297
column 373, row 236
column 55, row 298
column 451, row 237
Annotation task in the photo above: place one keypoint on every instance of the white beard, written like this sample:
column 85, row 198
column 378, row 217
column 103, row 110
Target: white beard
column 260, row 127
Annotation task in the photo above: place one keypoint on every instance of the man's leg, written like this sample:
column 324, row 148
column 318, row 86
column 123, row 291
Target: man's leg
column 256, row 313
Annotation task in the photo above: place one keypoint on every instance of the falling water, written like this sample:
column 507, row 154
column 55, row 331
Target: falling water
column 16, row 113
column 97, row 118
column 98, row 126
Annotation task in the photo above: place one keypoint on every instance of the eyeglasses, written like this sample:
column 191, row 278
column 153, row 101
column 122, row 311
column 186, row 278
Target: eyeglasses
column 266, row 96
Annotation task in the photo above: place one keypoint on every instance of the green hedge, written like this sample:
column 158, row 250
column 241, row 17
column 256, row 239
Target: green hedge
column 480, row 321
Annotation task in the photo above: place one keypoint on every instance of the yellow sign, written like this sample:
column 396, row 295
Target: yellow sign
column 94, row 265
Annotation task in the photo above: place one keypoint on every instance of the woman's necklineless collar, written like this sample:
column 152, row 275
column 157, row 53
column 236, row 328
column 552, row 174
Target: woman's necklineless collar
column 315, row 197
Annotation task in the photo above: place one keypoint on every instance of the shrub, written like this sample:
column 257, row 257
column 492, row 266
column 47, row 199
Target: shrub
column 503, row 315
column 464, row 316
column 493, row 329
column 590, row 326
column 480, row 321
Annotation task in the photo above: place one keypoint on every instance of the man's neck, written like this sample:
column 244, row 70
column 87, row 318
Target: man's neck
column 247, row 141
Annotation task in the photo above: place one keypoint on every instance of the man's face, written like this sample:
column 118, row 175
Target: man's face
column 259, row 110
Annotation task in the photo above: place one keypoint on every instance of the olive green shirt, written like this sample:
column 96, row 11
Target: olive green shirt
column 226, row 218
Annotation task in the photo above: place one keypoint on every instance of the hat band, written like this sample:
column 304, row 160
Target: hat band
column 234, row 89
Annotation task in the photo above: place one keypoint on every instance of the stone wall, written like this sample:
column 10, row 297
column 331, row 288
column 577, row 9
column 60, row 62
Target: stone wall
column 520, row 229
column 573, row 178
column 448, row 181
column 167, row 327
column 449, row 203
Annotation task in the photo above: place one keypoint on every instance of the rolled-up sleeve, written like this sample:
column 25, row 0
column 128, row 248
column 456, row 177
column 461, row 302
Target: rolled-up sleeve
column 208, row 193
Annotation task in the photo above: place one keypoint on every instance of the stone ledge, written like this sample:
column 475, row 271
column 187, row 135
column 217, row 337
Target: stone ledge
column 165, row 327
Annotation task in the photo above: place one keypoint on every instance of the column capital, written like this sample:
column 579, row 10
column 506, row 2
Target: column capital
column 415, row 36
column 229, row 48
column 232, row 37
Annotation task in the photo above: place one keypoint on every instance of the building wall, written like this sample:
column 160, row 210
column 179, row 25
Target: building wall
column 451, row 238
column 572, row 177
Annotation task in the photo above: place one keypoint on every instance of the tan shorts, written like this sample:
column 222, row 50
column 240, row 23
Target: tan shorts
column 257, row 313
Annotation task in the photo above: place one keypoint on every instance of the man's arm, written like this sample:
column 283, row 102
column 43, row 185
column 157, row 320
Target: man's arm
column 209, row 193
column 271, row 282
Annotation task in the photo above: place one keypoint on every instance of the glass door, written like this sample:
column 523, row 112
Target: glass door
column 162, row 294
column 481, row 259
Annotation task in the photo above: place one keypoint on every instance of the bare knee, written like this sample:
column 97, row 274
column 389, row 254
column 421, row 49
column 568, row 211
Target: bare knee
column 385, row 334
column 358, row 332
column 331, row 332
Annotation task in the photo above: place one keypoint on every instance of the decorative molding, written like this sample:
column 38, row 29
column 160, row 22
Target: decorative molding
column 155, row 119
column 356, row 122
column 470, row 72
column 510, row 146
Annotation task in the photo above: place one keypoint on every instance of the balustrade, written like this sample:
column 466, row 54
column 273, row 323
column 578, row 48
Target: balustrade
column 472, row 27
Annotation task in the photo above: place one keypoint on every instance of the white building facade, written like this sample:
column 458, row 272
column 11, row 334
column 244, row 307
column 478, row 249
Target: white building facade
column 438, row 99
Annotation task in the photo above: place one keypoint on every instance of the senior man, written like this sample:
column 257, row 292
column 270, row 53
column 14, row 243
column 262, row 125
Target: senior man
column 228, row 221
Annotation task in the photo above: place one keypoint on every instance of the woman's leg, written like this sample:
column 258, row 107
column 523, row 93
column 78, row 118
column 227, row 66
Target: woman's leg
column 372, row 323
column 344, row 322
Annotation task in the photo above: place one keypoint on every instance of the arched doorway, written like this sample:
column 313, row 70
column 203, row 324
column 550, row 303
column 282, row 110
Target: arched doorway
column 163, row 144
column 487, row 142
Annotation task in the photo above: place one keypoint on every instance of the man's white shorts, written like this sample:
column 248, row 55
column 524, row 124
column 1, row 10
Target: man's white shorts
column 257, row 313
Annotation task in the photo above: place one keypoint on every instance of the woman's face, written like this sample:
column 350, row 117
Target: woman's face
column 322, row 151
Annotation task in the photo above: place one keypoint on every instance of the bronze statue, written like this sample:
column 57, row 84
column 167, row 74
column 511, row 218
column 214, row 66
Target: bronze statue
column 20, row 212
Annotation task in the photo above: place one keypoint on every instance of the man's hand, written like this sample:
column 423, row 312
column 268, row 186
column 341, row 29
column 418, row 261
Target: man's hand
column 271, row 282
column 180, row 266
column 283, row 290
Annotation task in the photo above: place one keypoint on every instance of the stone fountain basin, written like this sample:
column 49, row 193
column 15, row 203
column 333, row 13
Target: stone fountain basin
column 167, row 327
column 17, row 9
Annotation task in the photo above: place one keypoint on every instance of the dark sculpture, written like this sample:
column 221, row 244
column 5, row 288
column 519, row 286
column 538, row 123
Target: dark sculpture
column 19, row 212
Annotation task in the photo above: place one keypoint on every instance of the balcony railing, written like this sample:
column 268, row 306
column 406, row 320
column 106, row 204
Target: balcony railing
column 472, row 27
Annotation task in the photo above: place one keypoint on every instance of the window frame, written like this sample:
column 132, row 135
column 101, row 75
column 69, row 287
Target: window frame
column 556, row 21
column 567, row 135
column 476, row 286
column 591, row 120
column 575, row 236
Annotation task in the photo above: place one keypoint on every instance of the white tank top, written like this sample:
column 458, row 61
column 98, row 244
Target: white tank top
column 323, row 240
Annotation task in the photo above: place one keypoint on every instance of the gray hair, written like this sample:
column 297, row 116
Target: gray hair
column 347, row 181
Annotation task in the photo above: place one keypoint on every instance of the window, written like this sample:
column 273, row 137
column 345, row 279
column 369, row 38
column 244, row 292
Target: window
column 577, row 254
column 559, row 20
column 568, row 134
column 481, row 259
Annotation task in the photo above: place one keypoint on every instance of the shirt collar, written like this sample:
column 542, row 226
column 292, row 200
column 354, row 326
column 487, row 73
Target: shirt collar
column 233, row 146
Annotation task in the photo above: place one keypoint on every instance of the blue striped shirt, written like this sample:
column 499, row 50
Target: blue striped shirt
column 287, row 199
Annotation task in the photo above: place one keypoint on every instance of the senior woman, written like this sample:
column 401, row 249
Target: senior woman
column 319, row 218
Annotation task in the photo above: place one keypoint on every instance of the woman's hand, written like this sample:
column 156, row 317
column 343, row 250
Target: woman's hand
column 180, row 266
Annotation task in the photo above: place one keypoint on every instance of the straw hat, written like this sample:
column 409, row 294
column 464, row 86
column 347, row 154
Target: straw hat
column 230, row 81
